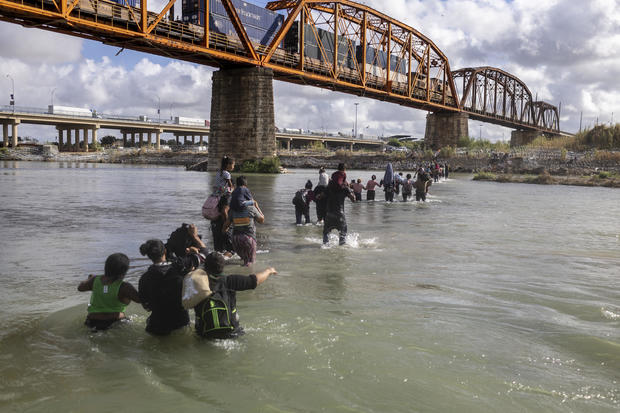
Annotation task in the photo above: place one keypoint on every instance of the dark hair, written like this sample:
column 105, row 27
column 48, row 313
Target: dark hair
column 116, row 266
column 408, row 176
column 153, row 248
column 241, row 180
column 225, row 162
column 321, row 170
column 341, row 166
column 308, row 184
column 178, row 241
column 214, row 263
column 374, row 177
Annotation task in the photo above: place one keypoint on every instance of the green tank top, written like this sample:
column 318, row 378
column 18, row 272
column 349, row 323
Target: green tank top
column 104, row 298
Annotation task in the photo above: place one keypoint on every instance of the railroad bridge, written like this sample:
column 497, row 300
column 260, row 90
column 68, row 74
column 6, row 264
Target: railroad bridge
column 337, row 45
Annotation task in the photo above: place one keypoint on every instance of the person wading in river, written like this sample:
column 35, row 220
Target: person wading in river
column 110, row 294
column 336, row 195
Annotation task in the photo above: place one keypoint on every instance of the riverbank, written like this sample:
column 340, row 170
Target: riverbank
column 603, row 179
column 517, row 162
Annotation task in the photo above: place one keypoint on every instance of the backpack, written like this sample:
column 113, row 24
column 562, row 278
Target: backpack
column 209, row 208
column 300, row 198
column 214, row 318
column 407, row 186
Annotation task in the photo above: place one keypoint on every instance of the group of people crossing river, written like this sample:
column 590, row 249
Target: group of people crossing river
column 185, row 274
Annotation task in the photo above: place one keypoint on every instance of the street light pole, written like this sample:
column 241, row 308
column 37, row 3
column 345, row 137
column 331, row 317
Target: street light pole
column 53, row 90
column 158, row 109
column 356, row 104
column 12, row 101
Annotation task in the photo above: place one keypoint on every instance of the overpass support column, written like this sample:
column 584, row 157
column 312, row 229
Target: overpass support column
column 446, row 128
column 76, row 145
column 133, row 139
column 158, row 139
column 522, row 137
column 201, row 140
column 124, row 139
column 85, row 139
column 5, row 134
column 141, row 139
column 68, row 144
column 61, row 139
column 150, row 138
column 242, row 115
column 94, row 132
column 14, row 137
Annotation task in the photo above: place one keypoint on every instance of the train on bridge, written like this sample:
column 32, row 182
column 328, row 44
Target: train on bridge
column 319, row 45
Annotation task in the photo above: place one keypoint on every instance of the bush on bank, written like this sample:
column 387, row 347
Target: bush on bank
column 268, row 165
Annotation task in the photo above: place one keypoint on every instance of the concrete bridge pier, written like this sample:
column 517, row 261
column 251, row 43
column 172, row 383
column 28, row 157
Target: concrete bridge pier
column 61, row 139
column 158, row 133
column 141, row 140
column 85, row 140
column 14, row 135
column 94, row 133
column 242, row 115
column 124, row 139
column 446, row 128
column 76, row 144
column 5, row 134
column 521, row 137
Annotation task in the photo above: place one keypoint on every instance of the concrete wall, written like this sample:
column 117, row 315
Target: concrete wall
column 445, row 129
column 242, row 115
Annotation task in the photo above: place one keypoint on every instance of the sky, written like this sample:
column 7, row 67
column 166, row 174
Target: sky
column 567, row 52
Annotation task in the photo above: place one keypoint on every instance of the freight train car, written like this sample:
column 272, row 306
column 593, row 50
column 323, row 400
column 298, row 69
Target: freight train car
column 312, row 42
column 260, row 24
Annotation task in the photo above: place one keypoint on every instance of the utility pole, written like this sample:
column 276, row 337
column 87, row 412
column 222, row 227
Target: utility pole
column 580, row 120
column 356, row 104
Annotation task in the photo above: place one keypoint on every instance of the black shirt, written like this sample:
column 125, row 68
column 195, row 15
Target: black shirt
column 160, row 289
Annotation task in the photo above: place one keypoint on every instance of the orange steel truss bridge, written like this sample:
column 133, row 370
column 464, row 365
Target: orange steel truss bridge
column 416, row 74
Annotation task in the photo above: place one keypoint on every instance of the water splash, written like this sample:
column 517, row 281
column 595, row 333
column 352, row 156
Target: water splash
column 611, row 314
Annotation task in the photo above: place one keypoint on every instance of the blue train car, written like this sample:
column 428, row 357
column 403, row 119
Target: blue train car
column 132, row 3
column 260, row 24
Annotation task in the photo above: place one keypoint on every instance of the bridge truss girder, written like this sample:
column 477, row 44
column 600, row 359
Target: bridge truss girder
column 493, row 95
column 421, row 77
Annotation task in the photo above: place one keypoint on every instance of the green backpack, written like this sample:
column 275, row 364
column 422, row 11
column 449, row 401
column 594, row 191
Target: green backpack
column 214, row 318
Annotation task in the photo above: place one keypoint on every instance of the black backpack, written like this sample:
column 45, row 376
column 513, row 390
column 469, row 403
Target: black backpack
column 214, row 318
column 300, row 198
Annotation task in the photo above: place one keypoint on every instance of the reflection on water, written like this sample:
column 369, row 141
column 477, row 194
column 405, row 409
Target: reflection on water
column 486, row 297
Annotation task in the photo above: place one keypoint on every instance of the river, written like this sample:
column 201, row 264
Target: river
column 488, row 297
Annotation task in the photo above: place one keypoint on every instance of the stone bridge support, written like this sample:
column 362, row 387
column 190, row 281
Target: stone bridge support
column 446, row 128
column 242, row 115
column 522, row 137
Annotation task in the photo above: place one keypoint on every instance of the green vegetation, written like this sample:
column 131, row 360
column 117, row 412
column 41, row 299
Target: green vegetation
column 485, row 176
column 473, row 143
column 316, row 146
column 4, row 150
column 108, row 140
column 268, row 165
column 602, row 137
column 395, row 142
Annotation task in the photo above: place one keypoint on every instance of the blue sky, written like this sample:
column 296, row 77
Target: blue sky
column 564, row 51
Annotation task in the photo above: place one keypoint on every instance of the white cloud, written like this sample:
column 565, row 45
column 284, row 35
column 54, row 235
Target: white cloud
column 37, row 46
column 563, row 50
